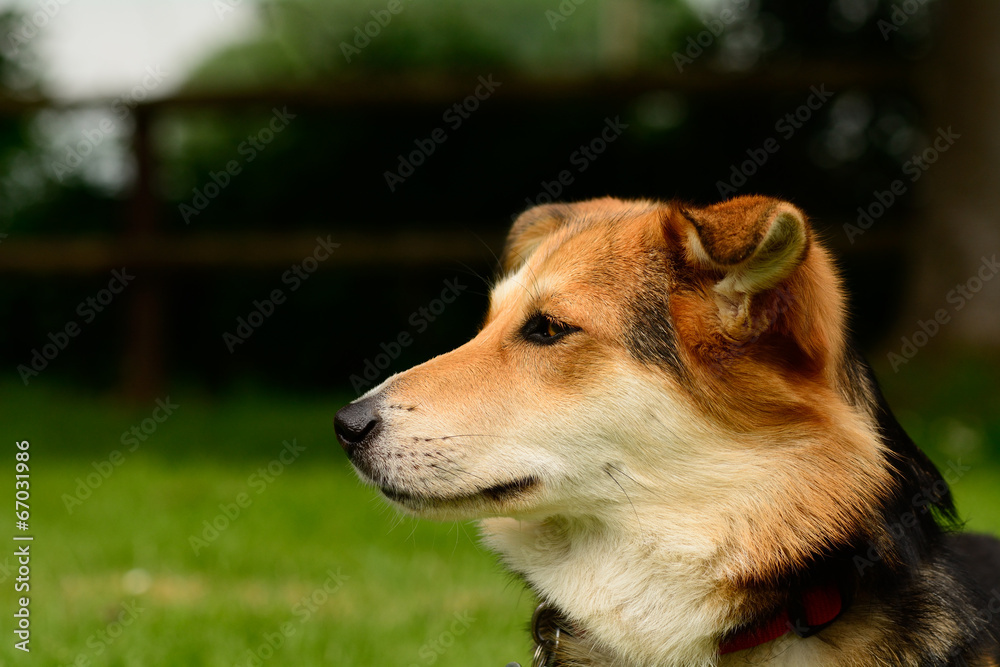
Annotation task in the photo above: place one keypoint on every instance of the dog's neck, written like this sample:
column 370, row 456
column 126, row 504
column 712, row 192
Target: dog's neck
column 661, row 571
column 641, row 604
column 637, row 603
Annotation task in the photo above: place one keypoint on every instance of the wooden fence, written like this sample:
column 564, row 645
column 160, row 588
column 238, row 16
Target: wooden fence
column 142, row 244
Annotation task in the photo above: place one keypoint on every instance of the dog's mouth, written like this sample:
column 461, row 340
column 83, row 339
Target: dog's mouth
column 498, row 493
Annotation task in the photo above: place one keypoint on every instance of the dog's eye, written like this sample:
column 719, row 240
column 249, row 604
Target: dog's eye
column 545, row 329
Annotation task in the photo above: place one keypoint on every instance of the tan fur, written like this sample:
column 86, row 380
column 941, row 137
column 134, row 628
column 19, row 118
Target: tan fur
column 657, row 498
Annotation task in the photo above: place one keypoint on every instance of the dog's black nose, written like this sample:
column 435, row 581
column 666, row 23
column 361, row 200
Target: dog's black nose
column 357, row 424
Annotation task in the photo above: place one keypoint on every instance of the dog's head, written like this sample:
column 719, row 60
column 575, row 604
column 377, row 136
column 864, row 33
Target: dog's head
column 637, row 356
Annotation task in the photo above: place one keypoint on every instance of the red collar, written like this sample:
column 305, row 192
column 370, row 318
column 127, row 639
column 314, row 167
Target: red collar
column 819, row 607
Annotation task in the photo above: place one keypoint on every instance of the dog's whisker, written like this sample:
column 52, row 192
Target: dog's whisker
column 445, row 470
column 634, row 480
column 627, row 497
column 489, row 248
column 469, row 270
column 534, row 280
column 458, row 473
column 412, row 533
column 471, row 474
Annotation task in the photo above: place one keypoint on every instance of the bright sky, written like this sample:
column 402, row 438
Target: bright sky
column 102, row 48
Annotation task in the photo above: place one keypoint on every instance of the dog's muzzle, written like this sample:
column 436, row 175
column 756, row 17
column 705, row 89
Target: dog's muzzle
column 357, row 425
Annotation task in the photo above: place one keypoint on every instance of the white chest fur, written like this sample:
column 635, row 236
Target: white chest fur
column 634, row 601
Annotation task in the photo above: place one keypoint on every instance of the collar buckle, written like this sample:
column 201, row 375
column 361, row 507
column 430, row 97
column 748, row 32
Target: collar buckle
column 547, row 626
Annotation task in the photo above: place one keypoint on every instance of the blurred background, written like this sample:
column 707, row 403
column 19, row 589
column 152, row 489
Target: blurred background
column 220, row 221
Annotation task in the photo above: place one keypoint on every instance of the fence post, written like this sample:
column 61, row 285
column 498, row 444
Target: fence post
column 143, row 356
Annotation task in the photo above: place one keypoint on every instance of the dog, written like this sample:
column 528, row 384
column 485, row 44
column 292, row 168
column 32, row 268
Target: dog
column 667, row 434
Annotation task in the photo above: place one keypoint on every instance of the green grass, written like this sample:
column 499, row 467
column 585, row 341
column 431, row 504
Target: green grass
column 950, row 405
column 315, row 551
column 376, row 589
column 383, row 590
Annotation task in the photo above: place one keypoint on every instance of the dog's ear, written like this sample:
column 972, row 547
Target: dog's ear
column 529, row 230
column 748, row 245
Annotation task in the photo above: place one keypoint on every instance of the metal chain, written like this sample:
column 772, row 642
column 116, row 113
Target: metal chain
column 543, row 652
column 541, row 657
column 544, row 621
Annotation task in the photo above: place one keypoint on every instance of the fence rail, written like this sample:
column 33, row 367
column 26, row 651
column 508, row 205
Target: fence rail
column 142, row 244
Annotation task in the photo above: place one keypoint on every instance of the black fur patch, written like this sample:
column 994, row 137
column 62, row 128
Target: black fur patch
column 649, row 333
column 933, row 585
